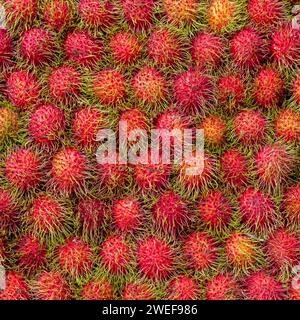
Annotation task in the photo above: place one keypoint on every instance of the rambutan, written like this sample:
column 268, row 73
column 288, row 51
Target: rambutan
column 97, row 13
column 247, row 48
column 86, row 124
column 149, row 86
column 31, row 254
column 125, row 47
column 192, row 91
column 23, row 169
column 182, row 288
column 287, row 125
column 8, row 210
column 214, row 129
column 99, row 289
column 22, row 89
column 296, row 89
column 16, row 287
column 75, row 257
column 116, row 255
column 138, row 13
column 221, row 13
column 37, row 46
column 109, row 86
column 68, row 170
column 83, row 49
column 231, row 92
column 127, row 214
column 2, row 248
column 6, row 45
column 268, row 88
column 137, row 291
column 181, row 11
column 8, row 124
column 222, row 287
column 215, row 210
column 207, row 50
column 64, row 84
column 250, row 127
column 261, row 286
column 58, row 14
column 51, row 285
column 21, row 11
column 291, row 204
column 164, row 47
column 234, row 167
column 257, row 210
column 200, row 250
column 155, row 258
column 46, row 125
column 273, row 164
column 170, row 213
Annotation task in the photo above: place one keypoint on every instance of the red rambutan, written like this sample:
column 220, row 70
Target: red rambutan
column 181, row 11
column 291, row 204
column 99, row 289
column 58, row 14
column 296, row 89
column 21, row 11
column 8, row 124
column 8, row 210
column 137, row 291
column 222, row 287
column 16, row 287
column 182, row 288
column 287, row 125
column 6, row 47
column 214, row 129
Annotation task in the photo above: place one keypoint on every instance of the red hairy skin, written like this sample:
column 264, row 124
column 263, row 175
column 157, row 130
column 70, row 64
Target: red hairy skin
column 287, row 125
column 261, row 286
column 16, row 287
column 64, row 84
column 46, row 125
column 23, row 169
column 181, row 12
column 137, row 291
column 22, row 89
column 155, row 258
column 200, row 251
column 220, row 14
column 99, row 289
column 51, row 285
column 182, row 288
column 8, row 211
column 257, row 210
column 21, row 11
column 83, row 49
column 116, row 255
column 75, row 257
column 58, row 14
column 296, row 89
column 223, row 287
column 235, row 168
column 214, row 129
column 291, row 204
column 6, row 48
column 215, row 210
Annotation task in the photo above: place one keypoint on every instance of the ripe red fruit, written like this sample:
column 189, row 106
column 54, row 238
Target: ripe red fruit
column 181, row 11
column 266, row 14
column 138, row 13
column 127, row 214
column 86, row 124
column 116, row 255
column 69, row 170
column 149, row 86
column 291, row 204
column 51, row 285
column 58, row 14
column 268, row 88
column 220, row 14
column 200, row 250
column 23, row 169
column 22, row 89
column 8, row 124
column 109, row 86
column 261, row 286
column 250, row 127
column 31, row 254
column 155, row 258
column 215, row 210
column 247, row 48
column 75, row 257
column 137, row 291
column 192, row 91
column 6, row 48
column 37, row 46
column 164, row 47
column 182, row 288
column 207, row 50
column 64, row 84
column 16, row 287
column 287, row 125
column 214, row 129
column 273, row 164
column 83, row 49
column 257, row 210
column 222, row 287
column 296, row 89
column 21, row 11
column 235, row 168
column 125, row 48
column 170, row 213
column 99, row 289
column 97, row 13
column 285, row 46
column 8, row 210
column 46, row 125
